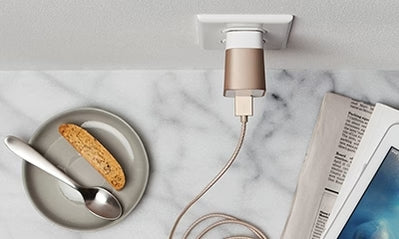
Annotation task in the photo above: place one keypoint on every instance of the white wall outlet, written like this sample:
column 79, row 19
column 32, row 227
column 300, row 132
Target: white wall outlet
column 212, row 27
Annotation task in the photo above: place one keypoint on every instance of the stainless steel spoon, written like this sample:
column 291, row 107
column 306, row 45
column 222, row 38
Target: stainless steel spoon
column 98, row 200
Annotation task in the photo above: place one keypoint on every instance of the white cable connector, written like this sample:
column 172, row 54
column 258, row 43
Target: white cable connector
column 243, row 105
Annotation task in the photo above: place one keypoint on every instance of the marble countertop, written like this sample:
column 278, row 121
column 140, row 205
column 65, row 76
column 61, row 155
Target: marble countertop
column 189, row 132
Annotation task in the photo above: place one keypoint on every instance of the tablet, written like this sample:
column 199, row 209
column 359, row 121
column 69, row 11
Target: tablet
column 371, row 209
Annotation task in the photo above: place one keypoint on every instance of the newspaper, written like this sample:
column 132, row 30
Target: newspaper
column 341, row 124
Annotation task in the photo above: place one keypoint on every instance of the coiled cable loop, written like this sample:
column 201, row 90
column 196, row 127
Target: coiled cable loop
column 224, row 218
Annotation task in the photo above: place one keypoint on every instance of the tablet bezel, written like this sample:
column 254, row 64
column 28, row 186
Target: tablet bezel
column 389, row 140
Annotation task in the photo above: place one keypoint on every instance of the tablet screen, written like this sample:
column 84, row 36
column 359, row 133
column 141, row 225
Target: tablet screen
column 377, row 213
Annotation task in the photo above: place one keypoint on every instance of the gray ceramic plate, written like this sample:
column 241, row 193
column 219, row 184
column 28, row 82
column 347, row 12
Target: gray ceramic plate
column 57, row 201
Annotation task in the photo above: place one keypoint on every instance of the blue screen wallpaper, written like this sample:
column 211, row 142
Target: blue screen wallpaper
column 377, row 214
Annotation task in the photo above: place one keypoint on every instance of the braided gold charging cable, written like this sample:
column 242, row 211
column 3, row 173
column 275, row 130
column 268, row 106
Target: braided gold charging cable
column 223, row 218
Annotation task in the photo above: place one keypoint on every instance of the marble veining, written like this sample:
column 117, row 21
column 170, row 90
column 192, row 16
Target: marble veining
column 189, row 132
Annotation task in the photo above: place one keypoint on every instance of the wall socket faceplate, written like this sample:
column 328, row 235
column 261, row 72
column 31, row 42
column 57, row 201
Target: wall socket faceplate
column 212, row 27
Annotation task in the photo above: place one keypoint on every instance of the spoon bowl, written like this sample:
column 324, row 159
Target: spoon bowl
column 98, row 200
column 101, row 203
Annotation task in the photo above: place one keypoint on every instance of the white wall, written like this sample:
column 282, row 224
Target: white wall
column 158, row 34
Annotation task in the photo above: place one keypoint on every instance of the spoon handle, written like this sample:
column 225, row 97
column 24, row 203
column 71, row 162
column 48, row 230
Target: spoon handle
column 29, row 154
